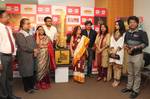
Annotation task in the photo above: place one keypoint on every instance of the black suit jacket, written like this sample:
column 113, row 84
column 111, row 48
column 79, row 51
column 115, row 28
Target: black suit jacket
column 92, row 36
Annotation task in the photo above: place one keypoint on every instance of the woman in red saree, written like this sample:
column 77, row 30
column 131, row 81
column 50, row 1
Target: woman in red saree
column 45, row 58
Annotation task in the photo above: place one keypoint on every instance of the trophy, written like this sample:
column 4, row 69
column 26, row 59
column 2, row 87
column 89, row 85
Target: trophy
column 61, row 42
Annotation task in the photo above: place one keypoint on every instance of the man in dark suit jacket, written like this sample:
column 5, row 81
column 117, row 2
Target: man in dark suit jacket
column 89, row 32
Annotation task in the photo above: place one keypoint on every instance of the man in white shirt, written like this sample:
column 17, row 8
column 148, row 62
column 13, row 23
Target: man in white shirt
column 50, row 30
column 7, row 50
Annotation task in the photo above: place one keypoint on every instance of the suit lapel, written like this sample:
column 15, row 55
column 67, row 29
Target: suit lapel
column 90, row 33
column 86, row 33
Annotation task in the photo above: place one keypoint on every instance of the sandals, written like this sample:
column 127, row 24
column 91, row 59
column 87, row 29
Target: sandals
column 115, row 83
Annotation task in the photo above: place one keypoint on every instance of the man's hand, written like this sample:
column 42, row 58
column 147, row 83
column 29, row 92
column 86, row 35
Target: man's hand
column 93, row 48
column 72, row 54
column 1, row 67
column 130, row 50
column 126, row 46
column 13, row 58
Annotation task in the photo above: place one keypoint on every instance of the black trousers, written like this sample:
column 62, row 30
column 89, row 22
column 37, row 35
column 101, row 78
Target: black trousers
column 28, row 83
column 6, row 76
column 90, row 59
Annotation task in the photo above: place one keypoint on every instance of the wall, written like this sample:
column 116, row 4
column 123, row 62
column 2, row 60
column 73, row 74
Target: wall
column 83, row 3
column 20, row 1
column 116, row 8
column 141, row 8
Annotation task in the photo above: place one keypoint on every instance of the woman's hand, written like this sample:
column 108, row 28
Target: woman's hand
column 36, row 51
column 98, row 50
column 37, row 37
column 130, row 50
column 72, row 54
column 114, row 51
column 106, row 46
column 119, row 49
column 43, row 46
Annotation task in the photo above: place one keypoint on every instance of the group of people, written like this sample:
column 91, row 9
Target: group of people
column 35, row 54
column 108, row 52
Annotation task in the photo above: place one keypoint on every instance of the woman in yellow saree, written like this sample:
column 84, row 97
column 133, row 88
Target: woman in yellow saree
column 78, row 47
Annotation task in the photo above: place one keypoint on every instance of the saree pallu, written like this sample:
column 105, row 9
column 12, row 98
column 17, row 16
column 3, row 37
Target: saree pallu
column 79, row 60
column 52, row 56
column 78, row 74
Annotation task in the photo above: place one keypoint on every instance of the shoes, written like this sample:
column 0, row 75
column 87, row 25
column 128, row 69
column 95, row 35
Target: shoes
column 133, row 95
column 88, row 75
column 99, row 78
column 14, row 97
column 105, row 79
column 36, row 88
column 31, row 91
column 125, row 90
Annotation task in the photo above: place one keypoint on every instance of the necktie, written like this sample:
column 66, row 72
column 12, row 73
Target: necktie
column 10, row 40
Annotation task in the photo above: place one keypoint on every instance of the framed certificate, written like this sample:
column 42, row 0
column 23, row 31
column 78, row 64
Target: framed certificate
column 62, row 56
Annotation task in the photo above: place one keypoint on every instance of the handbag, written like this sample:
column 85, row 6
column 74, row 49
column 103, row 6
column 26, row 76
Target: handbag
column 114, row 56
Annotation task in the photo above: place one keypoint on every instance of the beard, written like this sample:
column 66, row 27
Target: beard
column 48, row 25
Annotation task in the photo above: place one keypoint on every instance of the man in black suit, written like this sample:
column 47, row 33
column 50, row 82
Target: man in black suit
column 89, row 32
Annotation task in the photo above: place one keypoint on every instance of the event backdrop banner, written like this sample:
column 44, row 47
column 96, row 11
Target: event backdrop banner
column 75, row 15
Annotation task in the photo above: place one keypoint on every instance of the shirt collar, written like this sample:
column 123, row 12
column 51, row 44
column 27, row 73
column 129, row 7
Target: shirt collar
column 47, row 27
column 25, row 33
column 1, row 24
column 134, row 30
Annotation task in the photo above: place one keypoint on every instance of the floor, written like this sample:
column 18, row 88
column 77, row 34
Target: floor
column 72, row 90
